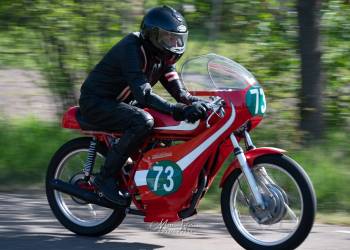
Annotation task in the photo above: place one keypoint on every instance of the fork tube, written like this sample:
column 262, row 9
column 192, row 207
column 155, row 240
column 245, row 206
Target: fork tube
column 251, row 146
column 247, row 172
column 248, row 140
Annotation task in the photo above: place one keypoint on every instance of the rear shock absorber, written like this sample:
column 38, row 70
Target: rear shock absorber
column 90, row 161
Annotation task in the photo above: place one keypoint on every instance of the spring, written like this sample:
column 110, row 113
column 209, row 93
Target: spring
column 90, row 158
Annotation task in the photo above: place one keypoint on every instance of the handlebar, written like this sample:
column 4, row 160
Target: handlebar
column 216, row 105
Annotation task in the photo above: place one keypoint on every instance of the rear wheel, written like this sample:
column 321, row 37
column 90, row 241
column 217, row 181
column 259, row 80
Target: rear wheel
column 289, row 199
column 77, row 215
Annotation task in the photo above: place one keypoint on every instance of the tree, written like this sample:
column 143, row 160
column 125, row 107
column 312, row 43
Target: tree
column 311, row 69
column 216, row 14
column 68, row 36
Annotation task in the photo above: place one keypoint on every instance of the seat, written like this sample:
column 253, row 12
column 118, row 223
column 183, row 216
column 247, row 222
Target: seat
column 73, row 119
column 84, row 125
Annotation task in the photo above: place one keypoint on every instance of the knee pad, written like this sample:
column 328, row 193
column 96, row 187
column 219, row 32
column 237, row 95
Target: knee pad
column 143, row 122
column 149, row 124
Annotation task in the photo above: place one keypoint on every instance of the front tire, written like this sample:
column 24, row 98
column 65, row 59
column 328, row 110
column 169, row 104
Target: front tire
column 74, row 214
column 290, row 220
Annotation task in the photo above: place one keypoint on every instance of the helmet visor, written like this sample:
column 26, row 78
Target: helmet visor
column 175, row 42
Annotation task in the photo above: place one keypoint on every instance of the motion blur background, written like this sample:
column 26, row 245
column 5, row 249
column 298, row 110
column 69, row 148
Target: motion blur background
column 48, row 47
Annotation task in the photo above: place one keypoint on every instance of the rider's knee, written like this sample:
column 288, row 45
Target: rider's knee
column 149, row 124
column 144, row 122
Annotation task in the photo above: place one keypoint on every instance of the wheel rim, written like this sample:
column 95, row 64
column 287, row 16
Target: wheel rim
column 86, row 215
column 274, row 233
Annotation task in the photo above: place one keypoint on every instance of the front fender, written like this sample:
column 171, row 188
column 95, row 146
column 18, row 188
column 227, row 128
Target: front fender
column 250, row 155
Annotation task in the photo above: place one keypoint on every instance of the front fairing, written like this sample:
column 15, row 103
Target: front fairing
column 214, row 73
column 217, row 75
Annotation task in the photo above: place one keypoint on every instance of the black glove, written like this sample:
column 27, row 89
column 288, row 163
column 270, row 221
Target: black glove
column 204, row 104
column 192, row 113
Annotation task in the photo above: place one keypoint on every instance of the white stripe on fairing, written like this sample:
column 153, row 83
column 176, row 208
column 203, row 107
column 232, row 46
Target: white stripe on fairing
column 140, row 176
column 188, row 159
column 183, row 126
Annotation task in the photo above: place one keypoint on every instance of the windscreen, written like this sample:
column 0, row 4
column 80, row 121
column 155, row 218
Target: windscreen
column 214, row 72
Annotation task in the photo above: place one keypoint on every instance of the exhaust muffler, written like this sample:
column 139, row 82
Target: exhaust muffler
column 81, row 194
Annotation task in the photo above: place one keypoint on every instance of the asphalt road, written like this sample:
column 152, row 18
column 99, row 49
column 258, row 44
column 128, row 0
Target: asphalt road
column 26, row 222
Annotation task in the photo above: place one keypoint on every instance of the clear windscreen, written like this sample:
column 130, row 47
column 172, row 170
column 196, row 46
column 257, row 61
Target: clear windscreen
column 214, row 72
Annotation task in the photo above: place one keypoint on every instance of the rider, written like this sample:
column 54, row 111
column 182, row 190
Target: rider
column 126, row 74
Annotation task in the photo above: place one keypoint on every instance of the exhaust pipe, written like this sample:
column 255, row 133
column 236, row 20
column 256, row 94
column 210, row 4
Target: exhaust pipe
column 81, row 194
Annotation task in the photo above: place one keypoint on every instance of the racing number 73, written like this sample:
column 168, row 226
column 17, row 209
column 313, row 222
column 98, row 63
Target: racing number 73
column 169, row 171
column 164, row 178
column 256, row 99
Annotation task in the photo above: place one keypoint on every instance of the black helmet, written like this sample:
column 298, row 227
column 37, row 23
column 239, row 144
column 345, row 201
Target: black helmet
column 166, row 31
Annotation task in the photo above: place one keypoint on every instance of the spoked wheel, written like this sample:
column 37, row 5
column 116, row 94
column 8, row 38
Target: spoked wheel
column 75, row 214
column 289, row 200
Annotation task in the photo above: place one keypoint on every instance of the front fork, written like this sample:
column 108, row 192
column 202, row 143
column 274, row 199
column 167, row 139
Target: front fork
column 239, row 153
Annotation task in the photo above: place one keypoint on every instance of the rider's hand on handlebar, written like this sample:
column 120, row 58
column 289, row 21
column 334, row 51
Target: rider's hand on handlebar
column 204, row 104
column 192, row 113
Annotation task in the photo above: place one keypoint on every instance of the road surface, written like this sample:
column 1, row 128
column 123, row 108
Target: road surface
column 27, row 223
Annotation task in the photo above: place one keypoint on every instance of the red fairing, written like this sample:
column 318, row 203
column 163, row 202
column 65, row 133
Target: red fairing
column 190, row 156
column 162, row 120
column 69, row 119
column 250, row 155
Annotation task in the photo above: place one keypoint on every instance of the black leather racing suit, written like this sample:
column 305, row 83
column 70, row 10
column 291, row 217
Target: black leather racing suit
column 127, row 73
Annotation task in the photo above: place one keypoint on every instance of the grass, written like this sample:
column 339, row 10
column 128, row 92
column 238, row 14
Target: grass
column 328, row 166
column 25, row 151
column 334, row 218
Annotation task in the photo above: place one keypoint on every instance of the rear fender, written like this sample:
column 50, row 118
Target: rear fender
column 69, row 119
column 250, row 155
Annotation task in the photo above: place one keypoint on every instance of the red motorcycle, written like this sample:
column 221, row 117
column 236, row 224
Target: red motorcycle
column 267, row 200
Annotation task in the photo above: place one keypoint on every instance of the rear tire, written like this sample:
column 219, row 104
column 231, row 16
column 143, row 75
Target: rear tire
column 65, row 215
column 236, row 220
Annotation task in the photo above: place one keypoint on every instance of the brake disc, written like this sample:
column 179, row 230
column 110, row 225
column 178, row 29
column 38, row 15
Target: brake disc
column 275, row 208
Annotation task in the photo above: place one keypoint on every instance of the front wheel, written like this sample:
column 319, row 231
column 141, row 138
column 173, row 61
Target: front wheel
column 77, row 215
column 289, row 199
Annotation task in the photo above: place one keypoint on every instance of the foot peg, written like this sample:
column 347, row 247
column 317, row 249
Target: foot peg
column 124, row 194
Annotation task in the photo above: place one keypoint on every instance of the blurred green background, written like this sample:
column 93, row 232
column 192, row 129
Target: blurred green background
column 48, row 47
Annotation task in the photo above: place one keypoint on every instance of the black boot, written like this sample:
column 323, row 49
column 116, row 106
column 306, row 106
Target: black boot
column 106, row 181
column 117, row 156
column 109, row 188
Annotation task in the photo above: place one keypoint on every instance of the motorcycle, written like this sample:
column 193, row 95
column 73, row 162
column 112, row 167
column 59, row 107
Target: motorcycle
column 267, row 199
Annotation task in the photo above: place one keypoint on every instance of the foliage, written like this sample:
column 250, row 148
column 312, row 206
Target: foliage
column 26, row 148
column 336, row 31
column 64, row 39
